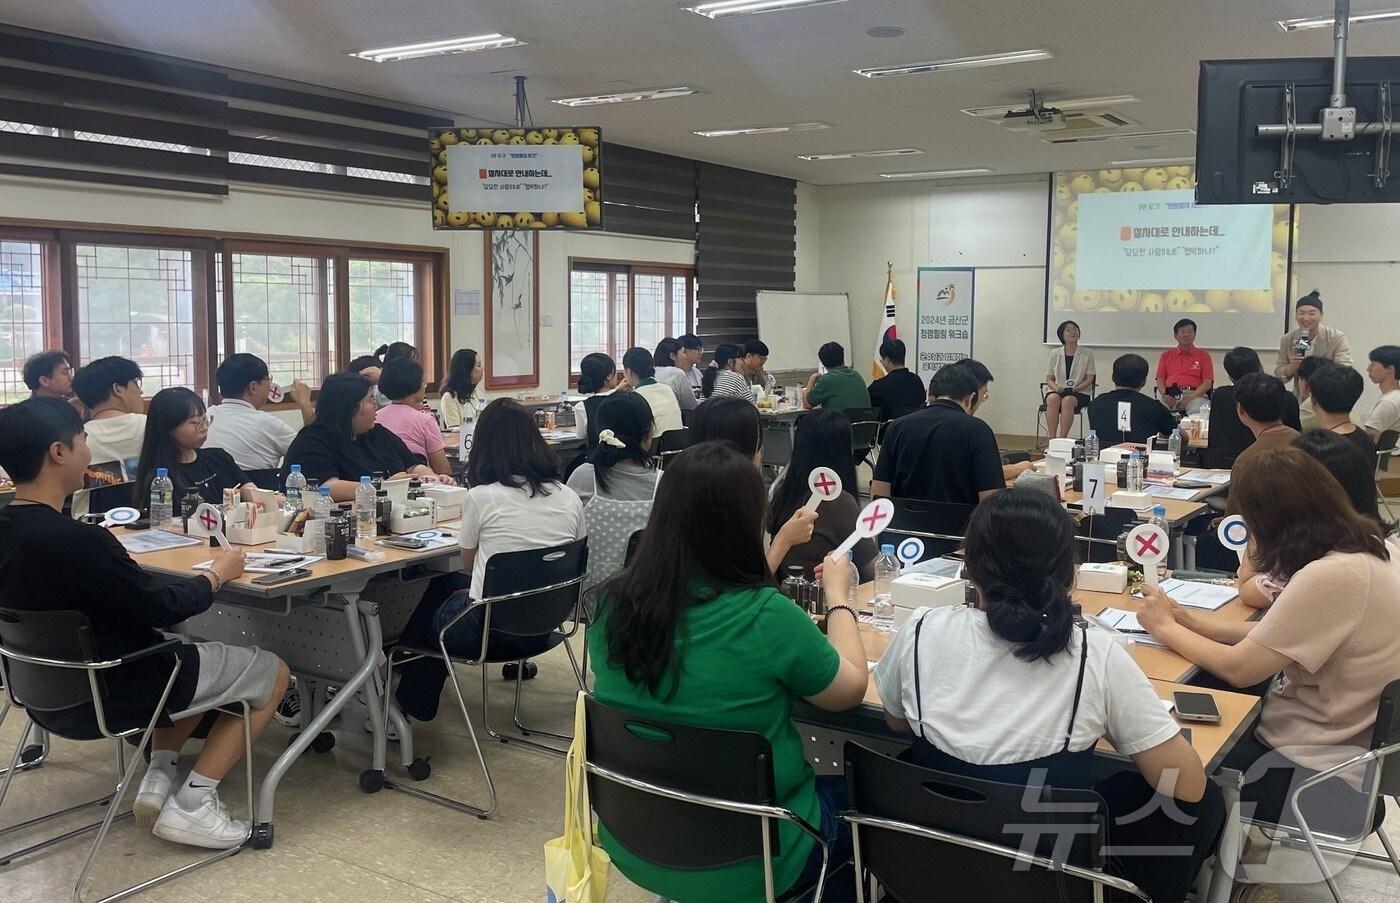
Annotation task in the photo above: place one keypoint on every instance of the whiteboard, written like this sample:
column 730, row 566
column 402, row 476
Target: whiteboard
column 795, row 324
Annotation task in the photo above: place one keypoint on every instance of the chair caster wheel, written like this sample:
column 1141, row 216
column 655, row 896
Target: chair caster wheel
column 324, row 742
column 262, row 836
column 371, row 781
column 509, row 669
column 31, row 754
column 419, row 769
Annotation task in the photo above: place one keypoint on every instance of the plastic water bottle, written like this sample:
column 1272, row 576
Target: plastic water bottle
column 772, row 382
column 1174, row 444
column 1135, row 472
column 162, row 498
column 855, row 578
column 1091, row 447
column 296, row 488
column 321, row 505
column 1159, row 519
column 364, row 513
column 882, row 604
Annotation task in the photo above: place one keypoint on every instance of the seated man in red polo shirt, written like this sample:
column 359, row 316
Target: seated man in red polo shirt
column 1185, row 373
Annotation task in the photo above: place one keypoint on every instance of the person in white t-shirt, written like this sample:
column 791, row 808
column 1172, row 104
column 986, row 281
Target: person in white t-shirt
column 1384, row 370
column 1014, row 690
column 516, row 502
column 640, row 374
column 668, row 372
column 110, row 387
column 239, row 424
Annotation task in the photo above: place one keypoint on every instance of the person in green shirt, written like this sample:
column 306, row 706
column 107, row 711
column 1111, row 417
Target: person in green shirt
column 694, row 632
column 838, row 389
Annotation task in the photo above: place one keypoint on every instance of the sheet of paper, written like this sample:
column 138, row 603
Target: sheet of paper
column 156, row 541
column 268, row 563
column 1126, row 622
column 1171, row 492
column 1214, row 477
column 1208, row 596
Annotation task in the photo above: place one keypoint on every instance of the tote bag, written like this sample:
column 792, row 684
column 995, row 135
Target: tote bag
column 575, row 867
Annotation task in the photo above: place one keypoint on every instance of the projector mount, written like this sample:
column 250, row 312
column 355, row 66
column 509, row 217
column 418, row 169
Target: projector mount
column 1338, row 121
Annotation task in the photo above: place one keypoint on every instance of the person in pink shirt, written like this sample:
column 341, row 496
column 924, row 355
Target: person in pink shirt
column 402, row 383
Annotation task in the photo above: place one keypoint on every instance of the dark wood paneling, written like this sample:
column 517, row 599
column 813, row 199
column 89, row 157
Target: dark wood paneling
column 332, row 105
column 69, row 174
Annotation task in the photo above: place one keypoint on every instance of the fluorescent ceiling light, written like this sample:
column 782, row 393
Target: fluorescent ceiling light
column 962, row 62
column 1155, row 161
column 438, row 48
column 763, row 130
column 626, row 96
column 935, row 174
column 1329, row 21
column 1069, row 103
column 850, row 155
column 724, row 9
column 1093, row 139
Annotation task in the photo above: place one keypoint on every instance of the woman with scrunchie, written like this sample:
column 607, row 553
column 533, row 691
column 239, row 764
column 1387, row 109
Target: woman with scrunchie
column 1015, row 690
column 621, row 466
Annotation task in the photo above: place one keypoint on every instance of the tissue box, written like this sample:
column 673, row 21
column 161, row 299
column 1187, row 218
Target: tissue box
column 260, row 535
column 410, row 517
column 1134, row 500
column 1060, row 448
column 1161, row 463
column 448, row 501
column 1111, row 456
column 1103, row 578
column 917, row 590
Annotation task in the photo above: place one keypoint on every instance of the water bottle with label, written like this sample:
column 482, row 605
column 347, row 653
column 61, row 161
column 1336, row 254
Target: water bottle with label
column 1091, row 447
column 162, row 498
column 364, row 513
column 1159, row 519
column 296, row 488
column 321, row 505
column 1174, row 445
column 882, row 603
column 1135, row 472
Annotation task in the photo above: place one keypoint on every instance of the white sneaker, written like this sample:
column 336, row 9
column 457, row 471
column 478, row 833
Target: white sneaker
column 393, row 735
column 209, row 826
column 156, row 788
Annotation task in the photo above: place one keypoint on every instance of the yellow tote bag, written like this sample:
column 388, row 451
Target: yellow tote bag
column 575, row 867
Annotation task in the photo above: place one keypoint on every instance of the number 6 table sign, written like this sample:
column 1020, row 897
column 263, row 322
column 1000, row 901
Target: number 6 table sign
column 825, row 484
column 1147, row 545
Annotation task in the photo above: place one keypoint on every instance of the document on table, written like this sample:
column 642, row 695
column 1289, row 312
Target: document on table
column 156, row 541
column 1214, row 477
column 1171, row 492
column 1208, row 596
column 1126, row 623
column 269, row 562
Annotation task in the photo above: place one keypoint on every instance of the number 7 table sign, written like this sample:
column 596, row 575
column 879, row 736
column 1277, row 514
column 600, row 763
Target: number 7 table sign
column 1095, row 499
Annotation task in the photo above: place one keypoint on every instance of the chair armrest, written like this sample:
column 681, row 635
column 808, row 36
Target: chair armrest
column 158, row 649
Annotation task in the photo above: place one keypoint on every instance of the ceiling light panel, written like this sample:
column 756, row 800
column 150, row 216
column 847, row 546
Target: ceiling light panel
column 439, row 47
column 936, row 174
column 594, row 100
column 851, row 155
column 762, row 130
column 1328, row 21
column 725, row 9
column 962, row 62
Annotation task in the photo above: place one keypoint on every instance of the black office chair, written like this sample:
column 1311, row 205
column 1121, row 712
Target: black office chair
column 1099, row 533
column 865, row 432
column 687, row 797
column 104, row 498
column 265, row 479
column 1218, row 458
column 1380, row 777
column 528, row 595
column 1385, row 450
column 1080, row 413
column 669, row 444
column 50, row 664
column 941, row 525
column 909, row 823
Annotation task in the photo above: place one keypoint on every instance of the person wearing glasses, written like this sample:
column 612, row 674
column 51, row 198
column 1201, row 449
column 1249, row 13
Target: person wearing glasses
column 110, row 387
column 177, row 426
column 256, row 439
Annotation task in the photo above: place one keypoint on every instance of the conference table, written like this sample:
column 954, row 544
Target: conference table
column 329, row 628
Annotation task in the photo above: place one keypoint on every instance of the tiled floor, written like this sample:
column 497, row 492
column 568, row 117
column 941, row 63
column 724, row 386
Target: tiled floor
column 339, row 845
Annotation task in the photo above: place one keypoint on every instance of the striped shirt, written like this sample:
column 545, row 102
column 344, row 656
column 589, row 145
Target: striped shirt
column 730, row 384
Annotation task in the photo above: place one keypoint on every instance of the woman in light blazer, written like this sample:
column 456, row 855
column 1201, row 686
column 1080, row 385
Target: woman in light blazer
column 1070, row 375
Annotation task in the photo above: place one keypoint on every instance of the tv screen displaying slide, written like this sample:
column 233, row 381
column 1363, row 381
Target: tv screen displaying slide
column 1130, row 253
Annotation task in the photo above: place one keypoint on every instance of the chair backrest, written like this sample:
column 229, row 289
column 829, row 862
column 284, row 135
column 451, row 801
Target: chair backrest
column 57, row 635
column 865, row 427
column 673, row 442
column 104, row 498
column 1100, row 532
column 1385, row 444
column 941, row 525
column 544, row 586
column 265, row 479
column 1066, row 826
column 1218, row 458
column 1387, row 733
column 721, row 764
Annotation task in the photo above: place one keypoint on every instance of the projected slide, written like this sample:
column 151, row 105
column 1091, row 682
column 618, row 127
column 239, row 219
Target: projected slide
column 1131, row 253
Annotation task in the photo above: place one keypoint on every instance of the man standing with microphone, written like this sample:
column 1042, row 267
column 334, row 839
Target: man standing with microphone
column 1310, row 339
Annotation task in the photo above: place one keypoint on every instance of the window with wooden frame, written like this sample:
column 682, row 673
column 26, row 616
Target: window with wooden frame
column 616, row 305
column 177, row 304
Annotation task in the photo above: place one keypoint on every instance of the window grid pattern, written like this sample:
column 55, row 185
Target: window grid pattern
column 21, row 314
column 279, row 162
column 283, row 311
column 385, row 175
column 28, row 128
column 124, row 141
column 649, row 293
column 139, row 303
column 382, row 303
column 611, row 310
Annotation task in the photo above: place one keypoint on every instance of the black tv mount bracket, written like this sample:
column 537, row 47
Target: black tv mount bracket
column 1338, row 121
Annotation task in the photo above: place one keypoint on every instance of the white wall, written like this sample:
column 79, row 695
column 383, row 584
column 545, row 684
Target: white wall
column 997, row 226
column 319, row 215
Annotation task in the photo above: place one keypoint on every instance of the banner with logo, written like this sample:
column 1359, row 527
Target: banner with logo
column 945, row 302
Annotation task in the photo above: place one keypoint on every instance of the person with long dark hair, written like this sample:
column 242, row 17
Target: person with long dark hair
column 823, row 439
column 596, row 381
column 516, row 502
column 176, row 430
column 695, row 632
column 1334, row 632
column 345, row 443
column 723, row 379
column 620, row 467
column 458, row 391
column 1014, row 690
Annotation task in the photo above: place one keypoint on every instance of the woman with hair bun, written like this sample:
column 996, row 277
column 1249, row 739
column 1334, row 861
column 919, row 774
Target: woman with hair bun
column 1014, row 690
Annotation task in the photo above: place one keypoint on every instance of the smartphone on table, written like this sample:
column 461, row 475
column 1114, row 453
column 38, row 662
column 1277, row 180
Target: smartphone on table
column 281, row 577
column 1196, row 707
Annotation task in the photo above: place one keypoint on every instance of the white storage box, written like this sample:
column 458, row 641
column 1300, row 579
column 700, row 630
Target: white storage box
column 448, row 501
column 1060, row 448
column 1103, row 578
column 410, row 517
column 1161, row 463
column 917, row 590
column 1137, row 501
column 1111, row 456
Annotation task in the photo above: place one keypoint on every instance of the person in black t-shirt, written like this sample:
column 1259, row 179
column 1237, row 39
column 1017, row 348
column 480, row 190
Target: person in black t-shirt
column 1228, row 434
column 1147, row 416
column 899, row 391
column 941, row 453
column 1335, row 389
column 176, row 429
column 49, row 562
column 344, row 443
